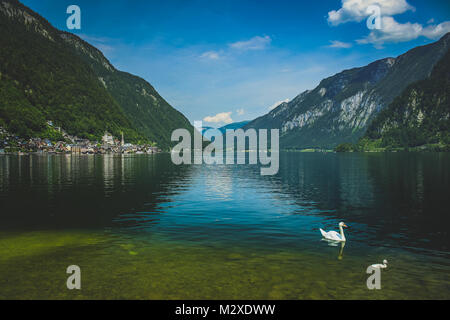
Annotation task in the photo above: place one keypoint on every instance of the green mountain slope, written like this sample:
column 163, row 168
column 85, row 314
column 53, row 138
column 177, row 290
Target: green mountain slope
column 148, row 112
column 342, row 106
column 419, row 116
column 233, row 126
column 47, row 74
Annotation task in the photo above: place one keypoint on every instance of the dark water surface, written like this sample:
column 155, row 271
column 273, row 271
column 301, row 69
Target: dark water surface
column 140, row 227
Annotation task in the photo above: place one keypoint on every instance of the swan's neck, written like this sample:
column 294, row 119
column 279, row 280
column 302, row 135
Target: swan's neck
column 342, row 232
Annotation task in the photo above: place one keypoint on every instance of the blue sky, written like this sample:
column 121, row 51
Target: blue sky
column 230, row 60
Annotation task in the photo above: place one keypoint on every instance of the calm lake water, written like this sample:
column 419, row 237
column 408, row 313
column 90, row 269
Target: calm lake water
column 140, row 227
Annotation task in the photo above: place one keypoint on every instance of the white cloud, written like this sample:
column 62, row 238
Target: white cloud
column 276, row 104
column 224, row 117
column 255, row 43
column 211, row 55
column 392, row 31
column 436, row 31
column 240, row 112
column 356, row 10
column 339, row 44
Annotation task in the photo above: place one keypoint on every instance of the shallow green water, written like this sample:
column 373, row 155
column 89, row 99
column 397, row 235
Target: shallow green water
column 141, row 228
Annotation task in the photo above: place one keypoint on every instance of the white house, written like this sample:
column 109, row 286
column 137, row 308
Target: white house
column 108, row 139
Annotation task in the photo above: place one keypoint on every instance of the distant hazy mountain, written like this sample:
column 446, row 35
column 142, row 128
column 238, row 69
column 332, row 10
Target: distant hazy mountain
column 209, row 131
column 233, row 126
column 47, row 74
column 419, row 116
column 342, row 106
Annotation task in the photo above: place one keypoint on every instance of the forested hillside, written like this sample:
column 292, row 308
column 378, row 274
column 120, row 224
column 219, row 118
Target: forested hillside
column 418, row 117
column 341, row 107
column 47, row 74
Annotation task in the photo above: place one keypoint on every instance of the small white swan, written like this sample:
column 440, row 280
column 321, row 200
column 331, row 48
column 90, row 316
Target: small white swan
column 380, row 266
column 333, row 235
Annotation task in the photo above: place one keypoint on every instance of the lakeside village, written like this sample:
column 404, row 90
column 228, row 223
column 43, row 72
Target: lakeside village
column 11, row 144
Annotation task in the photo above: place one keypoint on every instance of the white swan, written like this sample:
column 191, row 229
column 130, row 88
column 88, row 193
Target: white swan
column 380, row 266
column 333, row 235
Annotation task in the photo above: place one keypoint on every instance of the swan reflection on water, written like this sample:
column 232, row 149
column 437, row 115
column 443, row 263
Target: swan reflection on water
column 340, row 244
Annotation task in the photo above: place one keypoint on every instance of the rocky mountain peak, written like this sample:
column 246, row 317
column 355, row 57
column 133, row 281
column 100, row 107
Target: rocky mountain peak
column 341, row 107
